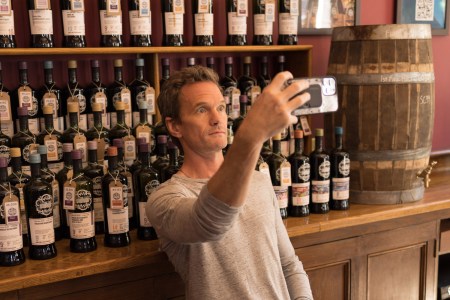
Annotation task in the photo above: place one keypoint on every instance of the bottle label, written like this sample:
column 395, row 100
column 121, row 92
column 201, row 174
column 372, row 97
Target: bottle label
column 77, row 5
column 324, row 169
column 51, row 142
column 56, row 167
column 50, row 99
column 235, row 104
column 270, row 11
column 23, row 216
column 344, row 166
column 150, row 187
column 110, row 24
column 113, row 7
column 178, row 6
column 143, row 220
column 320, row 191
column 144, row 8
column 281, row 192
column 288, row 24
column 7, row 24
column 73, row 22
column 5, row 106
column 83, row 200
column 56, row 204
column 237, row 25
column 140, row 25
column 42, row 4
column 262, row 27
column 341, row 187
column 174, row 23
column 5, row 8
column 79, row 143
column 117, row 220
column 11, row 237
column 116, row 195
column 304, row 171
column 69, row 192
column 150, row 98
column 129, row 148
column 41, row 231
column 27, row 99
column 242, row 7
column 82, row 225
column 300, row 194
column 283, row 174
column 98, row 209
column 204, row 24
column 4, row 152
column 41, row 21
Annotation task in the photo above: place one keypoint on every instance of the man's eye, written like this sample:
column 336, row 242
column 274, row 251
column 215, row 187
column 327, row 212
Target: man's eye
column 221, row 108
column 201, row 110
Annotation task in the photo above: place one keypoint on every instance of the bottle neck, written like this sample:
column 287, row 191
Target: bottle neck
column 264, row 69
column 72, row 76
column 162, row 149
column 48, row 119
column 48, row 74
column 140, row 73
column 77, row 167
column 23, row 76
column 145, row 159
column 299, row 146
column 67, row 160
column 3, row 174
column 23, row 123
column 281, row 67
column 276, row 146
column 338, row 138
column 319, row 143
column 44, row 163
column 118, row 74
column 119, row 154
column 92, row 156
column 73, row 119
column 121, row 117
column 98, row 119
column 243, row 109
column 247, row 68
column 96, row 75
column 173, row 157
column 143, row 116
column 165, row 72
column 16, row 164
column 35, row 171
column 112, row 163
column 229, row 70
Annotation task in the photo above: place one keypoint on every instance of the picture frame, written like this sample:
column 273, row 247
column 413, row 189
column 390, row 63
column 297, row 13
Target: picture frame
column 335, row 13
column 433, row 12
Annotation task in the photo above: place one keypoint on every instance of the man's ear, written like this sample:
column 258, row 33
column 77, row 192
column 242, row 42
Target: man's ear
column 173, row 127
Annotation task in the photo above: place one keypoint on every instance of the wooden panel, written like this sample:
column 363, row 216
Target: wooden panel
column 444, row 246
column 330, row 281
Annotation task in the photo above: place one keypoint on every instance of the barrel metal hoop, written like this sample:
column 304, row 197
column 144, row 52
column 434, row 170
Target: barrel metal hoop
column 385, row 155
column 381, row 32
column 387, row 197
column 389, row 78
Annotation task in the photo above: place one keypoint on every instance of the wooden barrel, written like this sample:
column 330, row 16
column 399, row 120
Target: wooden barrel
column 386, row 107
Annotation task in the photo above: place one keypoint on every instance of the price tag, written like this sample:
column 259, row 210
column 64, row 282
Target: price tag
column 143, row 131
column 305, row 125
column 178, row 6
column 294, row 8
column 125, row 97
column 270, row 11
column 113, row 8
column 5, row 8
column 264, row 168
column 285, row 174
column 116, row 195
column 242, row 8
column 101, row 147
column 50, row 99
column 42, row 4
column 26, row 97
column 69, row 193
column 129, row 144
column 79, row 143
column 144, row 8
column 5, row 107
column 77, row 5
column 150, row 98
column 203, row 6
column 254, row 93
column 11, row 208
column 51, row 142
column 235, row 104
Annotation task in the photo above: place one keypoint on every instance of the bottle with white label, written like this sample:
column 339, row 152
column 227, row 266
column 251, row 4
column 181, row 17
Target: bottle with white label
column 173, row 22
column 141, row 91
column 203, row 22
column 288, row 22
column 24, row 139
column 119, row 91
column 41, row 23
column 95, row 92
column 39, row 209
column 65, row 173
column 320, row 176
column 115, row 204
column 263, row 19
column 237, row 22
column 5, row 119
column 140, row 23
column 74, row 92
column 11, row 244
column 340, row 173
column 78, row 201
column 73, row 23
column 110, row 23
column 7, row 30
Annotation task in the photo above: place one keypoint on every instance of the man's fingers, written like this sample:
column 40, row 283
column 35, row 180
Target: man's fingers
column 298, row 101
column 279, row 82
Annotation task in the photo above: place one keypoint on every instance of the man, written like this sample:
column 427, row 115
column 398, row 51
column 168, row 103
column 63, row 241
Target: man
column 218, row 219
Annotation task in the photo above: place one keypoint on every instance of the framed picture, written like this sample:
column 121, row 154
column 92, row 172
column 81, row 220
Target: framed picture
column 319, row 17
column 434, row 12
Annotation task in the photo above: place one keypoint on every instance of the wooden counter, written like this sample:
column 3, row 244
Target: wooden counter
column 147, row 273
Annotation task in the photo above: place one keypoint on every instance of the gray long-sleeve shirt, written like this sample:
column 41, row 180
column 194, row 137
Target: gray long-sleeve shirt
column 223, row 252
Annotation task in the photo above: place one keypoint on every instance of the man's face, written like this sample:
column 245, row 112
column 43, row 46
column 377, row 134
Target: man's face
column 203, row 117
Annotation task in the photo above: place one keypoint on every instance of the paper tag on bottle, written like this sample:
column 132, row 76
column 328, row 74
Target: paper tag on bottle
column 264, row 168
column 270, row 11
column 305, row 125
column 42, row 4
column 101, row 147
column 178, row 6
column 294, row 8
column 50, row 99
column 285, row 174
column 125, row 97
column 116, row 195
column 69, row 193
column 11, row 208
column 25, row 97
column 113, row 8
column 242, row 8
column 150, row 98
column 254, row 93
column 33, row 149
column 51, row 141
column 79, row 143
column 5, row 8
column 5, row 107
column 235, row 104
column 129, row 145
column 77, row 5
column 143, row 131
column 203, row 6
column 144, row 8
column 129, row 177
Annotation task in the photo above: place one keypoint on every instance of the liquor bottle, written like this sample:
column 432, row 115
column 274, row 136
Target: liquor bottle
column 229, row 86
column 173, row 27
column 137, row 163
column 6, row 116
column 80, row 208
column 95, row 172
column 203, row 22
column 110, row 23
column 247, row 83
column 24, row 139
column 211, row 63
column 263, row 18
column 280, row 171
column 230, row 132
column 121, row 129
column 118, row 91
column 299, row 191
column 5, row 145
column 24, row 96
column 96, row 93
column 74, row 134
column 264, row 77
column 50, row 177
column 141, row 91
column 146, row 180
column 51, row 138
column 18, row 179
column 41, row 24
column 39, row 209
column 281, row 60
column 266, row 151
column 50, row 95
column 75, row 93
column 98, row 133
column 174, row 164
column 140, row 23
column 115, row 204
column 7, row 31
column 11, row 244
column 73, row 23
column 288, row 22
column 320, row 176
column 162, row 159
column 66, row 173
column 237, row 22
column 143, row 129
column 243, row 99
column 340, row 174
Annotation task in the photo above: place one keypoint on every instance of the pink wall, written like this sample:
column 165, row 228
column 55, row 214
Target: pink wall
column 383, row 12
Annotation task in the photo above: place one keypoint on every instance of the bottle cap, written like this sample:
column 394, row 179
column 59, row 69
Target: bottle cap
column 22, row 111
column 191, row 61
column 210, row 60
column 95, row 63
column 277, row 137
column 143, row 104
column 281, row 59
column 3, row 162
column 42, row 149
column 96, row 106
column 15, row 152
column 120, row 105
column 67, row 147
column 247, row 59
column 264, row 59
column 298, row 134
column 118, row 143
column 72, row 64
column 165, row 62
column 47, row 110
column 144, row 148
column 118, row 63
column 140, row 141
column 171, row 145
column 140, row 62
column 72, row 107
column 229, row 60
column 48, row 64
column 162, row 139
column 339, row 130
column 23, row 65
column 243, row 99
column 35, row 158
column 76, row 154
column 319, row 131
column 92, row 145
column 112, row 151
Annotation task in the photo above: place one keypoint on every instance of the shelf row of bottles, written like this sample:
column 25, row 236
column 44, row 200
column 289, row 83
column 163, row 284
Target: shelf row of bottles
column 109, row 16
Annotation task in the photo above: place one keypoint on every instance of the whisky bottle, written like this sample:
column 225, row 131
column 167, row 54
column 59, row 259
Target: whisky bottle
column 264, row 77
column 75, row 93
column 288, row 22
column 7, row 30
column 140, row 23
column 320, row 176
column 243, row 99
column 98, row 132
column 73, row 23
column 247, row 83
column 263, row 18
column 340, row 173
column 66, row 173
column 237, row 22
column 41, row 23
column 174, row 164
column 96, row 93
column 173, row 27
column 110, row 23
column 203, row 22
column 24, row 139
column 119, row 91
column 141, row 91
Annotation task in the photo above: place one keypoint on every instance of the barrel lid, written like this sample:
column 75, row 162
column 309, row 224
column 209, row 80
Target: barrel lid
column 48, row 64
column 92, row 145
column 112, row 151
column 42, row 149
column 15, row 152
column 381, row 32
column 47, row 110
column 140, row 62
column 319, row 131
column 35, row 158
column 67, row 147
